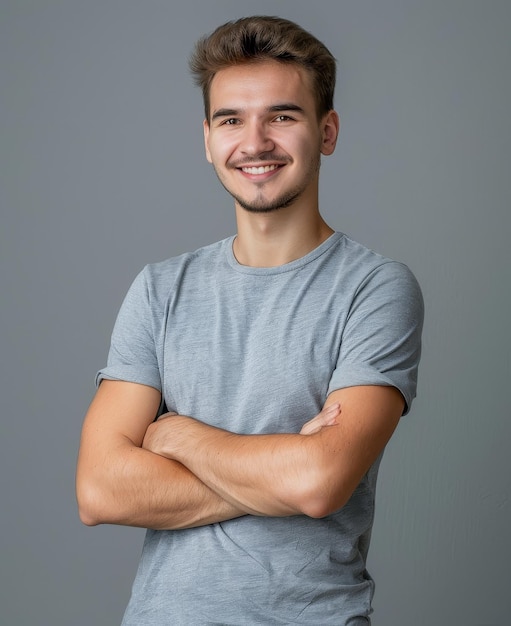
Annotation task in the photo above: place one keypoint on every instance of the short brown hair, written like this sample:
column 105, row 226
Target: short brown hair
column 264, row 38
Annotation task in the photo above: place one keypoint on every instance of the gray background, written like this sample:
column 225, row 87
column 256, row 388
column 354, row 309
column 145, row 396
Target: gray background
column 102, row 170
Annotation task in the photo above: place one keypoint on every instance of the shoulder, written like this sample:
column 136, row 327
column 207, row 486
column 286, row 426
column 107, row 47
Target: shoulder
column 163, row 276
column 367, row 270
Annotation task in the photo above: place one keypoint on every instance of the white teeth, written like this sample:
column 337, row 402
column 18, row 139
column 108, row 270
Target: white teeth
column 259, row 170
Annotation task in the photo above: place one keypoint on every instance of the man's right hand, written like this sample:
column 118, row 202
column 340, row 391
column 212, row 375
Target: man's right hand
column 327, row 417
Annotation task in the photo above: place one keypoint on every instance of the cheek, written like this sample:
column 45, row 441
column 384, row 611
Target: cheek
column 301, row 144
column 222, row 150
column 305, row 151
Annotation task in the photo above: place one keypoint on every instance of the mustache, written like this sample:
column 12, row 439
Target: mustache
column 270, row 157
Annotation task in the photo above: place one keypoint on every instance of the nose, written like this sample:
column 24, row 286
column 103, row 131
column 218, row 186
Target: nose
column 256, row 139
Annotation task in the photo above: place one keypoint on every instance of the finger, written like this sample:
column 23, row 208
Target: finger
column 327, row 417
column 310, row 429
column 165, row 415
column 327, row 414
column 331, row 408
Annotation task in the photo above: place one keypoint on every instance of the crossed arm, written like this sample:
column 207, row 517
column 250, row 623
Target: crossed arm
column 179, row 473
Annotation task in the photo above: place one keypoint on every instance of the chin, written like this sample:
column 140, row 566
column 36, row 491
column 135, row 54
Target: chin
column 250, row 208
column 268, row 206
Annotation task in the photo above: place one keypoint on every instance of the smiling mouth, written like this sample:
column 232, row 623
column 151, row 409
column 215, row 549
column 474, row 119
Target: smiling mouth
column 263, row 169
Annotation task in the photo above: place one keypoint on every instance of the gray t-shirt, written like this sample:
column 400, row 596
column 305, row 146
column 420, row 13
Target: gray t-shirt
column 258, row 350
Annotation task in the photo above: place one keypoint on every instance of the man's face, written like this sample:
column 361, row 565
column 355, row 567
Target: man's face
column 264, row 138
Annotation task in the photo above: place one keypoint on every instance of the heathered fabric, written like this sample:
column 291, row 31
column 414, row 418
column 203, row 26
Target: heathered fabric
column 258, row 350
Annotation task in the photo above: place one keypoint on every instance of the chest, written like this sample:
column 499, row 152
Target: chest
column 251, row 354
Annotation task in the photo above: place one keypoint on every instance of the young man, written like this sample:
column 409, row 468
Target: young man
column 284, row 356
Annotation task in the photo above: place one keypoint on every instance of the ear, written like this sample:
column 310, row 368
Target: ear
column 330, row 126
column 206, row 140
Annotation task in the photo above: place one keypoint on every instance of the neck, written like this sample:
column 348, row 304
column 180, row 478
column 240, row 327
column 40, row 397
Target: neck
column 279, row 237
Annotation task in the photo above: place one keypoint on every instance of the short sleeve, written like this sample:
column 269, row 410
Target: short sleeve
column 133, row 356
column 381, row 341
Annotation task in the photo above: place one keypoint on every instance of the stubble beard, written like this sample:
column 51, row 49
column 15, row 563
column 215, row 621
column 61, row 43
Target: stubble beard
column 262, row 204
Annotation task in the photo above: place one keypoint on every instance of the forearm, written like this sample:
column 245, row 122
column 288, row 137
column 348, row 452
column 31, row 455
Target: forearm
column 292, row 474
column 275, row 475
column 139, row 488
column 266, row 474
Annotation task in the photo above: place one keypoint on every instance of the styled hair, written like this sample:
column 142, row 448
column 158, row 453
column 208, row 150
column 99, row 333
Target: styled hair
column 264, row 38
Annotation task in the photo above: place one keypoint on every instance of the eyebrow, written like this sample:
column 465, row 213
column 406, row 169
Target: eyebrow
column 275, row 108
column 286, row 106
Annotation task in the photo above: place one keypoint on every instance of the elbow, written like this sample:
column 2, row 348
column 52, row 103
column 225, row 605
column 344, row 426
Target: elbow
column 321, row 507
column 86, row 518
column 321, row 496
column 318, row 507
column 88, row 515
column 86, row 512
column 90, row 511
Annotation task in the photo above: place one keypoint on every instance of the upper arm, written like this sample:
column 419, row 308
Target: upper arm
column 122, row 408
column 374, row 380
column 119, row 414
column 369, row 416
column 115, row 422
column 381, row 340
